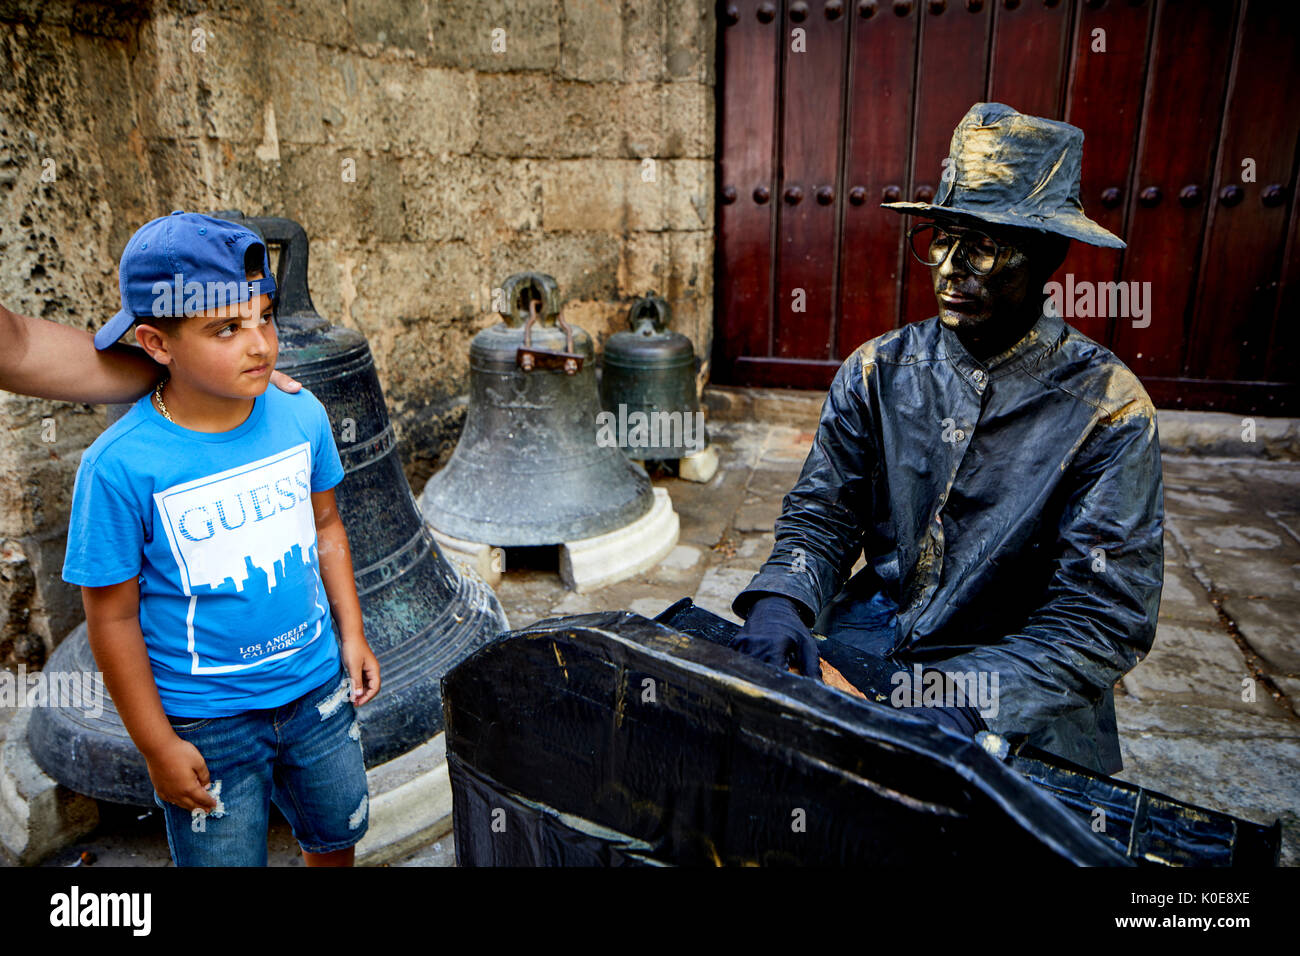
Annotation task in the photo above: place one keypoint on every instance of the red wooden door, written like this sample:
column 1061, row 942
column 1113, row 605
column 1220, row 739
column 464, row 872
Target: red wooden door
column 828, row 108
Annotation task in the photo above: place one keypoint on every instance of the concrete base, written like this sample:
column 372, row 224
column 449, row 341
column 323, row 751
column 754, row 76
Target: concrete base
column 701, row 466
column 592, row 563
column 37, row 814
column 487, row 562
column 410, row 803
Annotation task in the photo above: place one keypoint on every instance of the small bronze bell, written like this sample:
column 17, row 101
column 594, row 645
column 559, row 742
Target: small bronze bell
column 647, row 386
column 527, row 469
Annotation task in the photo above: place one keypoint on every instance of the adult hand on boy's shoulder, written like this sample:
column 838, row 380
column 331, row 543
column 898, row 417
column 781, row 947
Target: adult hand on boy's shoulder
column 284, row 383
column 363, row 667
column 180, row 775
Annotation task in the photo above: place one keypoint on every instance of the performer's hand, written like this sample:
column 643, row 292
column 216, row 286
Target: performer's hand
column 774, row 632
column 963, row 719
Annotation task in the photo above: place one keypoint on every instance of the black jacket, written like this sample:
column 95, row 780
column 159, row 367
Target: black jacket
column 1010, row 513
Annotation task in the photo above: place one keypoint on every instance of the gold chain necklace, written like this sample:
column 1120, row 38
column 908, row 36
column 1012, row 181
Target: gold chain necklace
column 162, row 406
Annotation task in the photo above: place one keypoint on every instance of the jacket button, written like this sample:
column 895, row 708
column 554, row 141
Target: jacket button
column 979, row 376
column 959, row 435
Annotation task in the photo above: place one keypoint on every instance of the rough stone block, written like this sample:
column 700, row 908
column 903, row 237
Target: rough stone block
column 180, row 169
column 318, row 21
column 1193, row 720
column 295, row 93
column 688, row 110
column 231, row 78
column 371, row 104
column 591, row 40
column 643, row 264
column 316, row 194
column 584, row 195
column 643, row 40
column 1223, row 434
column 429, row 109
column 382, row 23
column 599, row 319
column 690, row 40
column 467, row 198
column 584, row 265
column 164, row 77
column 406, row 284
column 462, row 34
column 531, row 115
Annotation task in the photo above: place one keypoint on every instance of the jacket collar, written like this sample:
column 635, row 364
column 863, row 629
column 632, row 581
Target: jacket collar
column 1042, row 336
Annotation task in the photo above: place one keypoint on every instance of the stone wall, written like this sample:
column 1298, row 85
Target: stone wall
column 425, row 165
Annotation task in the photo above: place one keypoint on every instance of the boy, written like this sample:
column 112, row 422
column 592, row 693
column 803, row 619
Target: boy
column 203, row 526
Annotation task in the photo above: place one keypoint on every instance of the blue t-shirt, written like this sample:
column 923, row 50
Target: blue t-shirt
column 220, row 530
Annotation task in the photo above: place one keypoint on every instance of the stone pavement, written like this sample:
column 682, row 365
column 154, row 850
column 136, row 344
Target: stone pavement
column 1189, row 724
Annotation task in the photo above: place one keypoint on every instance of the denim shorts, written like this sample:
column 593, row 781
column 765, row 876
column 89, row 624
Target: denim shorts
column 304, row 755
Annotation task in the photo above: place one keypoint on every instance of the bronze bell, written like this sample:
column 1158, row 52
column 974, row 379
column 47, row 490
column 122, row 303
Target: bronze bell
column 421, row 616
column 647, row 386
column 527, row 469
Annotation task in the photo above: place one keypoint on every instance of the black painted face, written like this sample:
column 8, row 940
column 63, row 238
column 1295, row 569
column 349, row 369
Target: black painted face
column 980, row 304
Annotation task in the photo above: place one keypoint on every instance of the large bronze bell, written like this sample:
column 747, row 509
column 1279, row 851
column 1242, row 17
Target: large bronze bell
column 528, row 469
column 421, row 616
column 647, row 386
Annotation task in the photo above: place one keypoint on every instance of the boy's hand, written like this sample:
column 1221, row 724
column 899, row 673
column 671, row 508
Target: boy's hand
column 363, row 668
column 180, row 775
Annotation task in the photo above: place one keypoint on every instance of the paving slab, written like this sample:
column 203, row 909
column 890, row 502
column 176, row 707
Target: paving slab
column 1271, row 626
column 720, row 587
column 1291, row 687
column 1238, row 559
column 1195, row 665
column 1183, row 600
column 705, row 510
column 1173, row 719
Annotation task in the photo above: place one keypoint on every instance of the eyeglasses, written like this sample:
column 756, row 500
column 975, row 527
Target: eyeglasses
column 931, row 244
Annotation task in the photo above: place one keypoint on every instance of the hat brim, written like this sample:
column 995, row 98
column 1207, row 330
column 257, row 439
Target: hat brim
column 113, row 329
column 1073, row 225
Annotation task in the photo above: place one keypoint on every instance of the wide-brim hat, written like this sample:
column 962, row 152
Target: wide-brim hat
column 1010, row 169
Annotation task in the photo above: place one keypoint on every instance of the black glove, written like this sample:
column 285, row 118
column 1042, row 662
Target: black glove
column 774, row 632
column 965, row 720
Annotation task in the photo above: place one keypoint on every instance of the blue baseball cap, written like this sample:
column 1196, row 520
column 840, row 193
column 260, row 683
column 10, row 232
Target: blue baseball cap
column 181, row 265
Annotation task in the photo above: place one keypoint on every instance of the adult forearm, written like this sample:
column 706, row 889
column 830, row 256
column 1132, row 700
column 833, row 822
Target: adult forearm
column 49, row 360
column 123, row 659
